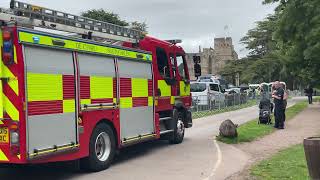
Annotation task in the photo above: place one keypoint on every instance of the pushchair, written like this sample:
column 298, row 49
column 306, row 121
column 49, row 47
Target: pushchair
column 265, row 111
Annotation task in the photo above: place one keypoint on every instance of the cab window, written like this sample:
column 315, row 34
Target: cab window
column 172, row 65
column 181, row 66
column 162, row 61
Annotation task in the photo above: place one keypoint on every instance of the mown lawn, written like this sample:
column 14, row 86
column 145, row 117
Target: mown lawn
column 200, row 114
column 287, row 164
column 252, row 130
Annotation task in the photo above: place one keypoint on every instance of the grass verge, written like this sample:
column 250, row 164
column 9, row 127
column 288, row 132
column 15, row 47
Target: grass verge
column 252, row 130
column 287, row 164
column 200, row 114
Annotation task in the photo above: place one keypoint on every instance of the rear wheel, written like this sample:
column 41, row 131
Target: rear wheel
column 102, row 149
column 179, row 128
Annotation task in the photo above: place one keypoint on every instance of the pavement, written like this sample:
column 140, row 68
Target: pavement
column 305, row 124
column 198, row 157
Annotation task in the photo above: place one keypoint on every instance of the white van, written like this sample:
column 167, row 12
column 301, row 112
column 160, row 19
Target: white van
column 204, row 93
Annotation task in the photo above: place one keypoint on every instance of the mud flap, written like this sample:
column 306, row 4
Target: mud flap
column 188, row 122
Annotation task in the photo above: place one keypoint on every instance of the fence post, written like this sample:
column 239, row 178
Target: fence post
column 219, row 102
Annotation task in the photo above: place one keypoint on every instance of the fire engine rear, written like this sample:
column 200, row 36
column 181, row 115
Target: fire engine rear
column 79, row 97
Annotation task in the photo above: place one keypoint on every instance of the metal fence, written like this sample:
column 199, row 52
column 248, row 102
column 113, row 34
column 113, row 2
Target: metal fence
column 211, row 104
column 214, row 102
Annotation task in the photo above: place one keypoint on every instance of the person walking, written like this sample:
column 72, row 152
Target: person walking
column 309, row 94
column 278, row 95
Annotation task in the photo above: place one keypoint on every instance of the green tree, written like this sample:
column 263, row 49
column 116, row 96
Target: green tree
column 259, row 41
column 298, row 36
column 139, row 26
column 110, row 17
column 264, row 62
column 102, row 15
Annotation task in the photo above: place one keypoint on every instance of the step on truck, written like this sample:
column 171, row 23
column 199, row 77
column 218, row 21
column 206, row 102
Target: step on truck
column 73, row 88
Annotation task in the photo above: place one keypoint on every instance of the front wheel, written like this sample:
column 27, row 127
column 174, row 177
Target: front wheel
column 179, row 128
column 102, row 149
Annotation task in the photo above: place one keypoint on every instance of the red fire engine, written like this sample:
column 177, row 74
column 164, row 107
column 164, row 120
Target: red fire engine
column 76, row 96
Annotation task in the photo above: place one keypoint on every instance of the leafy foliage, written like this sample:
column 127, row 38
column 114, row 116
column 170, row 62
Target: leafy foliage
column 286, row 46
column 110, row 17
column 102, row 15
column 139, row 26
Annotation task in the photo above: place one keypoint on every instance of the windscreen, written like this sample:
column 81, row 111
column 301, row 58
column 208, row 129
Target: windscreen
column 198, row 87
column 214, row 87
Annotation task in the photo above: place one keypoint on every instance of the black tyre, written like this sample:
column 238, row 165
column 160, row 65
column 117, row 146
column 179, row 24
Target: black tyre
column 102, row 148
column 179, row 128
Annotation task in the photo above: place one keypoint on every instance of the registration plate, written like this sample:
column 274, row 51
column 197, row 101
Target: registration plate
column 4, row 135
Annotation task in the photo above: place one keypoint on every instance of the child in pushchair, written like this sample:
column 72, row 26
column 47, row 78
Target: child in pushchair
column 265, row 111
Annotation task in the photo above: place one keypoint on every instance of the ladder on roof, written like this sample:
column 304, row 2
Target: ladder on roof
column 28, row 15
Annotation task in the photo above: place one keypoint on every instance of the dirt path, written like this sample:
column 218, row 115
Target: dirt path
column 304, row 125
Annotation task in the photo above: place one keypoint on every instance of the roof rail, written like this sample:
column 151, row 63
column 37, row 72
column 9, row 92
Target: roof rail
column 28, row 15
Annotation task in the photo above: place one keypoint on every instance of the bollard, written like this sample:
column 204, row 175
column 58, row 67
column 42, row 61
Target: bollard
column 312, row 152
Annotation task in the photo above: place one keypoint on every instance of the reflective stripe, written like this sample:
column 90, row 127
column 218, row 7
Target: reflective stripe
column 139, row 87
column 184, row 89
column 164, row 88
column 126, row 102
column 10, row 109
column 172, row 100
column 1, row 102
column 69, row 106
column 13, row 82
column 150, row 101
column 15, row 55
column 28, row 37
column 3, row 157
column 44, row 87
column 101, row 87
column 85, row 101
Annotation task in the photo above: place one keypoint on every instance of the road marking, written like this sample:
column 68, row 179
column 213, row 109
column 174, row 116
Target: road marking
column 218, row 163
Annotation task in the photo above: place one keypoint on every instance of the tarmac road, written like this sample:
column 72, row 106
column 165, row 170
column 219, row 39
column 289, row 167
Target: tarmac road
column 196, row 158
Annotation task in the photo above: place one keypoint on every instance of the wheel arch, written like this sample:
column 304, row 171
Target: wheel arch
column 111, row 125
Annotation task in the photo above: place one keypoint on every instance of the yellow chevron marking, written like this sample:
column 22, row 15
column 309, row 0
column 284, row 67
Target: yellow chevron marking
column 1, row 102
column 19, row 156
column 15, row 55
column 10, row 108
column 3, row 157
column 13, row 82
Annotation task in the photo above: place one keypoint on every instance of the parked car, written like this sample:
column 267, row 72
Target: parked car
column 214, row 79
column 233, row 91
column 204, row 93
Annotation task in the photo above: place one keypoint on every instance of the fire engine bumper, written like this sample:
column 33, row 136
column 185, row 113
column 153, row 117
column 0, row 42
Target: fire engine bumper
column 188, row 123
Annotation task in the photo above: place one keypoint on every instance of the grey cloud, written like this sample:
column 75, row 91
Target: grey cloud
column 194, row 21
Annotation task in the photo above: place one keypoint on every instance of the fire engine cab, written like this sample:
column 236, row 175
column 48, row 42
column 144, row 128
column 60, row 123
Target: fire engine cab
column 73, row 88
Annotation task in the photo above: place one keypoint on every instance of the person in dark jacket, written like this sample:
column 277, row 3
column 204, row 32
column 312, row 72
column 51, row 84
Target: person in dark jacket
column 278, row 95
column 309, row 93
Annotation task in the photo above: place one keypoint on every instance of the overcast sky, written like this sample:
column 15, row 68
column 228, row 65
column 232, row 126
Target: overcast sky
column 196, row 22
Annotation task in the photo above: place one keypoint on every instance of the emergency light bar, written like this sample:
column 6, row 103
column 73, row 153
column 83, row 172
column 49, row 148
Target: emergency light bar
column 174, row 41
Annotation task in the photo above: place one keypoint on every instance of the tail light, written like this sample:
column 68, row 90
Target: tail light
column 7, row 55
column 14, row 139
